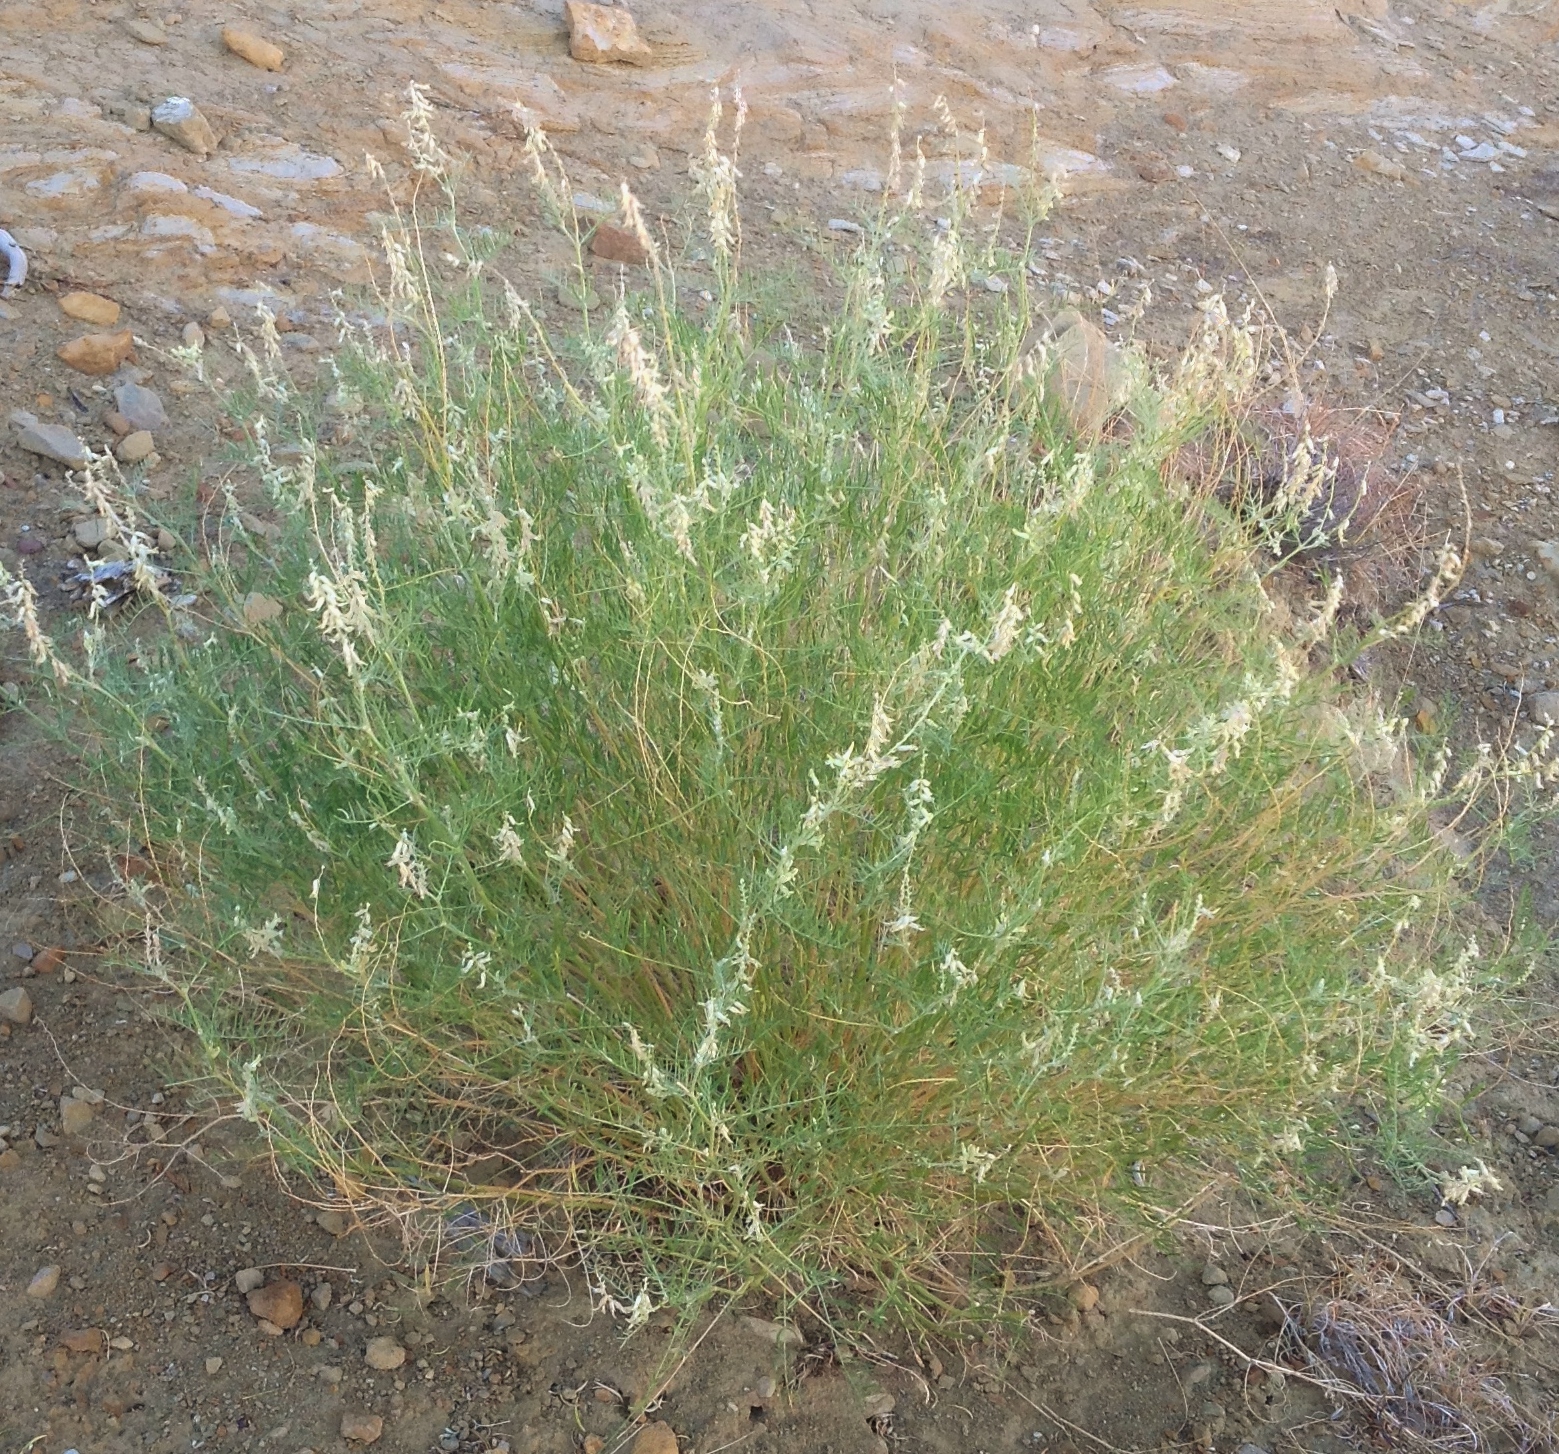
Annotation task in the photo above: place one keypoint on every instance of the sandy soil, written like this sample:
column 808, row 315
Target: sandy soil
column 1235, row 148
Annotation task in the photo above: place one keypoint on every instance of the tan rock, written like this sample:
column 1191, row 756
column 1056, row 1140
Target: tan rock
column 118, row 423
column 43, row 1283
column 600, row 34
column 280, row 1303
column 9, row 1160
column 265, row 529
column 1084, row 371
column 253, row 48
column 1381, row 166
column 90, row 308
column 656, row 1438
column 782, row 1335
column 179, row 119
column 618, row 245
column 148, row 32
column 46, row 961
column 16, row 1006
column 1083, row 1296
column 361, row 1428
column 1548, row 557
column 385, row 1354
column 98, row 353
column 260, row 608
column 85, row 1340
column 133, row 448
column 75, row 1116
column 92, row 530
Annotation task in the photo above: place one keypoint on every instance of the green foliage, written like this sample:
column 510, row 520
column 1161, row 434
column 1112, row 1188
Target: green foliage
column 764, row 810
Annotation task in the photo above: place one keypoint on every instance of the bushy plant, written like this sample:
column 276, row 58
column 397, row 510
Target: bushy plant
column 752, row 809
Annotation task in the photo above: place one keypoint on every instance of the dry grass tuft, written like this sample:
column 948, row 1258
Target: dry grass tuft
column 1414, row 1361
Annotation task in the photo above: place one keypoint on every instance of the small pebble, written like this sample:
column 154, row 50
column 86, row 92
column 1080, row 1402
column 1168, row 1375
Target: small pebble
column 213, row 1365
column 279, row 1303
column 385, row 1354
column 16, row 1006
column 253, row 48
column 1221, row 1296
column 136, row 447
column 179, row 119
column 97, row 353
column 1199, row 1373
column 148, row 32
column 656, row 1438
column 90, row 308
column 1083, row 1296
column 75, row 1116
column 43, row 1283
column 141, row 408
column 361, row 1428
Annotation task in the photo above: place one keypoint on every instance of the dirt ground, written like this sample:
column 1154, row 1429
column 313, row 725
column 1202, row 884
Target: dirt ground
column 1235, row 148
